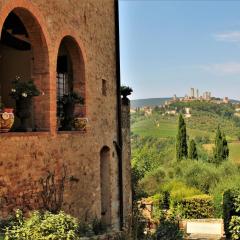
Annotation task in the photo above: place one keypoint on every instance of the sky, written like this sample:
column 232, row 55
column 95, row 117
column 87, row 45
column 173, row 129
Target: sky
column 169, row 46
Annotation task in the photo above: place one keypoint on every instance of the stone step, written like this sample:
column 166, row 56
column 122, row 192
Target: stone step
column 204, row 237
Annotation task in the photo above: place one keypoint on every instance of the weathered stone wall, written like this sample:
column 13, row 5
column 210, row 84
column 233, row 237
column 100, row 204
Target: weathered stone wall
column 126, row 156
column 26, row 157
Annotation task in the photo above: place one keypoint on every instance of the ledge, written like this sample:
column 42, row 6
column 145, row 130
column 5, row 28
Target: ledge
column 24, row 134
column 71, row 132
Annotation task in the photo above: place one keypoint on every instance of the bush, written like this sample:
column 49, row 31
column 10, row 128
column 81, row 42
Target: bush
column 231, row 207
column 197, row 207
column 44, row 226
column 169, row 230
column 234, row 227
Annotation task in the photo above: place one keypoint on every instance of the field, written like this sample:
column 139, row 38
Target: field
column 234, row 149
column 163, row 127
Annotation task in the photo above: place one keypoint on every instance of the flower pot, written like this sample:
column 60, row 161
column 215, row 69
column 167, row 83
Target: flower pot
column 6, row 121
column 8, row 110
column 80, row 123
column 23, row 112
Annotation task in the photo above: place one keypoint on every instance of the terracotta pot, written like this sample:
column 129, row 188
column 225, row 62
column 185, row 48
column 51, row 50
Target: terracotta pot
column 80, row 123
column 6, row 121
column 8, row 110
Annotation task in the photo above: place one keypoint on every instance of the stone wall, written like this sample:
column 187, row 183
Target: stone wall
column 25, row 158
column 126, row 156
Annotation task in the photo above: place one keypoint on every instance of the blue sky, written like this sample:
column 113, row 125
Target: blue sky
column 169, row 46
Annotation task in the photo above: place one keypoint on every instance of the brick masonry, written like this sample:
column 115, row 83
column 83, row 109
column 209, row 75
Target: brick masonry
column 27, row 157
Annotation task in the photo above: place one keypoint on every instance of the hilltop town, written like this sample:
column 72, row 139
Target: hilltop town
column 169, row 107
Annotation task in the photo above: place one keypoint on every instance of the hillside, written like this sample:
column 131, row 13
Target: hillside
column 151, row 102
column 154, row 152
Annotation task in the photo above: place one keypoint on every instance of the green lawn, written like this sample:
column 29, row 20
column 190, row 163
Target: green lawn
column 234, row 149
column 163, row 128
column 1, row 237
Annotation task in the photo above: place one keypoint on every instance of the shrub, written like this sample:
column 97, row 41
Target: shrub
column 44, row 226
column 98, row 226
column 197, row 207
column 169, row 230
column 231, row 207
column 234, row 227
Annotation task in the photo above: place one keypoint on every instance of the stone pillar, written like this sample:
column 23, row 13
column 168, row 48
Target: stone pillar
column 126, row 165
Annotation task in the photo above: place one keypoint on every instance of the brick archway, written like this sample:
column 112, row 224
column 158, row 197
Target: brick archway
column 39, row 40
column 77, row 59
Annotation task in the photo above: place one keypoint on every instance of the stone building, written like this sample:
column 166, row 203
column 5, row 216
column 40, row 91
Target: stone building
column 65, row 45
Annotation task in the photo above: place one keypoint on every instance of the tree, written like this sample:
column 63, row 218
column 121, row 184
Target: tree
column 221, row 150
column 181, row 143
column 225, row 148
column 192, row 154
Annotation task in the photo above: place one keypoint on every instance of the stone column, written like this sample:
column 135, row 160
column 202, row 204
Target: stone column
column 126, row 165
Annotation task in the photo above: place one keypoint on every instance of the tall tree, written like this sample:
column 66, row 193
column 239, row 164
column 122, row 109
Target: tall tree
column 225, row 148
column 181, row 141
column 221, row 150
column 192, row 154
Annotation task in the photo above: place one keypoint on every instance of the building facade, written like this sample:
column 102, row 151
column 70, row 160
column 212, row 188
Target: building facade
column 63, row 46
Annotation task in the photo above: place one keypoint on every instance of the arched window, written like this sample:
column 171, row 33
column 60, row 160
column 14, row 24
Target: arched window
column 70, row 84
column 24, row 53
column 105, row 185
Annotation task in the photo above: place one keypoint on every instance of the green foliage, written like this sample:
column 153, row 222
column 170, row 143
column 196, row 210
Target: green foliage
column 98, row 226
column 197, row 207
column 231, row 207
column 46, row 226
column 192, row 154
column 126, row 91
column 220, row 151
column 234, row 227
column 168, row 229
column 181, row 142
column 23, row 89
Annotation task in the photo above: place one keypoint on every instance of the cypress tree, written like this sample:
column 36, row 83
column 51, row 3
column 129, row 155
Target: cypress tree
column 181, row 141
column 221, row 150
column 225, row 148
column 192, row 154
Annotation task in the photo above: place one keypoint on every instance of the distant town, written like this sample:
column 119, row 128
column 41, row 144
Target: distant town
column 194, row 95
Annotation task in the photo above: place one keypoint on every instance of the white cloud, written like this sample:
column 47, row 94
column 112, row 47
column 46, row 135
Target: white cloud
column 231, row 68
column 232, row 36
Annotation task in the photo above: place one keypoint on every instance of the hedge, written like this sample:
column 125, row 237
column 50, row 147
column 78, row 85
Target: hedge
column 196, row 207
column 231, row 207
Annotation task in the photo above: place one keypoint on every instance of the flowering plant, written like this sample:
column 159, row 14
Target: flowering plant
column 21, row 90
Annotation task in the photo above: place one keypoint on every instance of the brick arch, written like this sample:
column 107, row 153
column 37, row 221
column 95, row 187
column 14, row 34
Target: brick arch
column 78, row 59
column 105, row 183
column 40, row 41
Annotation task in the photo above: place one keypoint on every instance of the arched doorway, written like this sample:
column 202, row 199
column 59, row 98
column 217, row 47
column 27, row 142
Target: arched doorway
column 105, row 185
column 24, row 53
column 70, row 78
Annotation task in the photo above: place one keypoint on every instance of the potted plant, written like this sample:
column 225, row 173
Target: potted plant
column 66, row 107
column 125, row 91
column 23, row 92
column 6, row 118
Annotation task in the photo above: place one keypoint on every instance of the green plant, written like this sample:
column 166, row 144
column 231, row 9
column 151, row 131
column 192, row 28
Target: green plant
column 168, row 229
column 193, row 154
column 85, row 229
column 23, row 89
column 126, row 91
column 234, row 227
column 181, row 142
column 71, row 97
column 231, row 207
column 98, row 226
column 197, row 207
column 44, row 226
column 221, row 150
